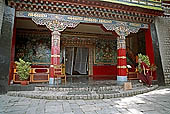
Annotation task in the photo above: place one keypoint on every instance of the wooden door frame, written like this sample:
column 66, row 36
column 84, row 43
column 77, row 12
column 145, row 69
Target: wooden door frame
column 90, row 55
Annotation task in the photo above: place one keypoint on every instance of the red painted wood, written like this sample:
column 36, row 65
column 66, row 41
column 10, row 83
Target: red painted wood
column 12, row 54
column 121, row 52
column 121, row 62
column 51, row 72
column 122, row 72
column 149, row 48
column 55, row 52
column 104, row 77
column 105, row 70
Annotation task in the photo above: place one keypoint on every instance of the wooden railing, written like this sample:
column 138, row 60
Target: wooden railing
column 36, row 75
column 40, row 75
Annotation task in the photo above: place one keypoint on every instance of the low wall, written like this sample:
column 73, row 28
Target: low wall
column 104, row 72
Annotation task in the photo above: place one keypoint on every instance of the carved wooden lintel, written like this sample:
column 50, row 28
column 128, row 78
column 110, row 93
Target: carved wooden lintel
column 54, row 25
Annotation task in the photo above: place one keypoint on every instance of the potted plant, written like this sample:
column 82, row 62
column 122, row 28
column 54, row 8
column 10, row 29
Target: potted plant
column 153, row 68
column 23, row 70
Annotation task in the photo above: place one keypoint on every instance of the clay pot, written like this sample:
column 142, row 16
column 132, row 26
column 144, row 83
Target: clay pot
column 151, row 78
column 24, row 82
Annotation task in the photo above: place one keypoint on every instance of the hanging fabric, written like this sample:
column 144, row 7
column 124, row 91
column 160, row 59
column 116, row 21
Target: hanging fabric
column 81, row 60
column 69, row 59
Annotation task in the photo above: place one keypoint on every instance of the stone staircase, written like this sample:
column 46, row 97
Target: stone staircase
column 87, row 92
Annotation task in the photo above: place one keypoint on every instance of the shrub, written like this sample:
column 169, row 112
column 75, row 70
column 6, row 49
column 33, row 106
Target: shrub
column 23, row 69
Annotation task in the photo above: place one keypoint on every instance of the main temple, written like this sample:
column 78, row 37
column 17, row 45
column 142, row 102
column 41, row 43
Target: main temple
column 93, row 38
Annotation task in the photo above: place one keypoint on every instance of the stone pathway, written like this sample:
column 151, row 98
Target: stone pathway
column 154, row 102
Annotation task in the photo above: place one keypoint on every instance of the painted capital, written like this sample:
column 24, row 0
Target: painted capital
column 121, row 42
column 123, row 29
column 55, row 38
column 54, row 25
column 55, row 33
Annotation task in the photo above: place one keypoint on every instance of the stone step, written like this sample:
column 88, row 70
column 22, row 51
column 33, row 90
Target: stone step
column 85, row 95
column 86, row 88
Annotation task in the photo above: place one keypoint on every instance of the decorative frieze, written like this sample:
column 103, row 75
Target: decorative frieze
column 123, row 29
column 50, row 18
column 54, row 25
column 100, row 10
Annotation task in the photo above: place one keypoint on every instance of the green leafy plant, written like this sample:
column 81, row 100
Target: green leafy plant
column 23, row 69
column 145, row 59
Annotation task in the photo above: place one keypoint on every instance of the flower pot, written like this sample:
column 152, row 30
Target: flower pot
column 151, row 78
column 24, row 82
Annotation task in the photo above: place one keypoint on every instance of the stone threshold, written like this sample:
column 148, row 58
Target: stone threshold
column 92, row 95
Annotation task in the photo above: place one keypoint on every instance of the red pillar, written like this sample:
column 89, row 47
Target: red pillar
column 149, row 48
column 12, row 54
column 121, row 59
column 55, row 53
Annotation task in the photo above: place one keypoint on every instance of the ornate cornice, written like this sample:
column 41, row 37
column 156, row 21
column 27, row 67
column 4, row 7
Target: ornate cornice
column 55, row 25
column 122, row 29
column 88, row 8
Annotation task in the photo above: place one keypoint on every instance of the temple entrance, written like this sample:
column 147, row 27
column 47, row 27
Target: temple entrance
column 87, row 51
column 76, row 60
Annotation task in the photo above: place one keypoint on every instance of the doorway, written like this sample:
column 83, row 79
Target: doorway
column 76, row 60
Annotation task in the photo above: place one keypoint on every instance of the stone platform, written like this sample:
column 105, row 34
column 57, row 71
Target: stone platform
column 86, row 91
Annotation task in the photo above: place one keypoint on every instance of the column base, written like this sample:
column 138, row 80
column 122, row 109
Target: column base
column 51, row 81
column 122, row 78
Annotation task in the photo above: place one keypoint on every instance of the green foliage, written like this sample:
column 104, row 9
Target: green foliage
column 23, row 69
column 145, row 59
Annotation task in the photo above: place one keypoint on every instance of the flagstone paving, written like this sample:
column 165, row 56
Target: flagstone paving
column 154, row 102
